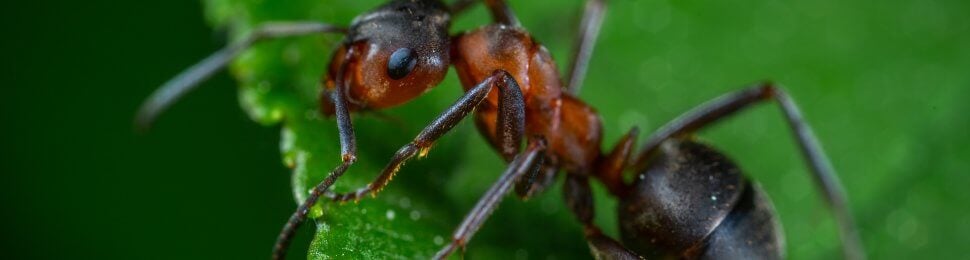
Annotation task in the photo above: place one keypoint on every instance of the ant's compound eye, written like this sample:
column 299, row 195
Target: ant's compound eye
column 401, row 63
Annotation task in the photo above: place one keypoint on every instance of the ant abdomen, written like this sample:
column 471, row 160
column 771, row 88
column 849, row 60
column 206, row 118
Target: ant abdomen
column 692, row 202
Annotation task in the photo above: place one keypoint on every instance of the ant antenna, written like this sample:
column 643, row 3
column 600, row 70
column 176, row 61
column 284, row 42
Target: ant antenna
column 189, row 79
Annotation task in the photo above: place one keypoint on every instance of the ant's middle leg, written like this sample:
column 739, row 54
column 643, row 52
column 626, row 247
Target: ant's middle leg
column 528, row 162
column 821, row 169
column 579, row 198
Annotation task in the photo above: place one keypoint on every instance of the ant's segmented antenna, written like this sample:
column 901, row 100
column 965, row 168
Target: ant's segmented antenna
column 189, row 79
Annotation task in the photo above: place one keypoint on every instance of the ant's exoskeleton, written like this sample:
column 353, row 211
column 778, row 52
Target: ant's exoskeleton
column 687, row 200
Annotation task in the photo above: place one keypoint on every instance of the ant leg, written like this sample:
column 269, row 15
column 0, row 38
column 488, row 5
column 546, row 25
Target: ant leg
column 537, row 181
column 610, row 168
column 348, row 151
column 579, row 198
column 501, row 13
column 511, row 120
column 522, row 164
column 460, row 6
column 589, row 30
column 821, row 168
column 191, row 77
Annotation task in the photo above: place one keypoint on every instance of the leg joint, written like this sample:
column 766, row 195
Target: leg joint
column 349, row 158
column 504, row 76
column 769, row 89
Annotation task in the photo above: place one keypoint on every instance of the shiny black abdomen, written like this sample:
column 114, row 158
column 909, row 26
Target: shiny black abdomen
column 693, row 202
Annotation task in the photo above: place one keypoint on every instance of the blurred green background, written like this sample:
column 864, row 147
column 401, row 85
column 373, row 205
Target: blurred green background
column 883, row 84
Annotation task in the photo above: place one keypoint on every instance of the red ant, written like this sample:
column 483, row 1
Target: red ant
column 687, row 200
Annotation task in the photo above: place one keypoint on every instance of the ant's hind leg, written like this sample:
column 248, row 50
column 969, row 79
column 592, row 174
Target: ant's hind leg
column 821, row 169
column 187, row 80
column 523, row 163
column 579, row 198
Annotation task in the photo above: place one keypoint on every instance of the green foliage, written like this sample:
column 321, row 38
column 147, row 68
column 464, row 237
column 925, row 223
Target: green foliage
column 849, row 68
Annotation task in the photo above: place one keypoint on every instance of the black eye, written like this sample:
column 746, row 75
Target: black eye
column 401, row 63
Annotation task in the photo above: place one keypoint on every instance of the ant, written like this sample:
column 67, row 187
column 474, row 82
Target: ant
column 686, row 199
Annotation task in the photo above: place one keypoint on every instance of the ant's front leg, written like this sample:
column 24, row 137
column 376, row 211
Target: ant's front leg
column 348, row 155
column 511, row 118
column 821, row 169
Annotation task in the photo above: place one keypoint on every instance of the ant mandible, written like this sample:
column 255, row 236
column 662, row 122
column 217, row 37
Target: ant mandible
column 398, row 51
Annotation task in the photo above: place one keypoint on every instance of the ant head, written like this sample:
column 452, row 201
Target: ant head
column 393, row 54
